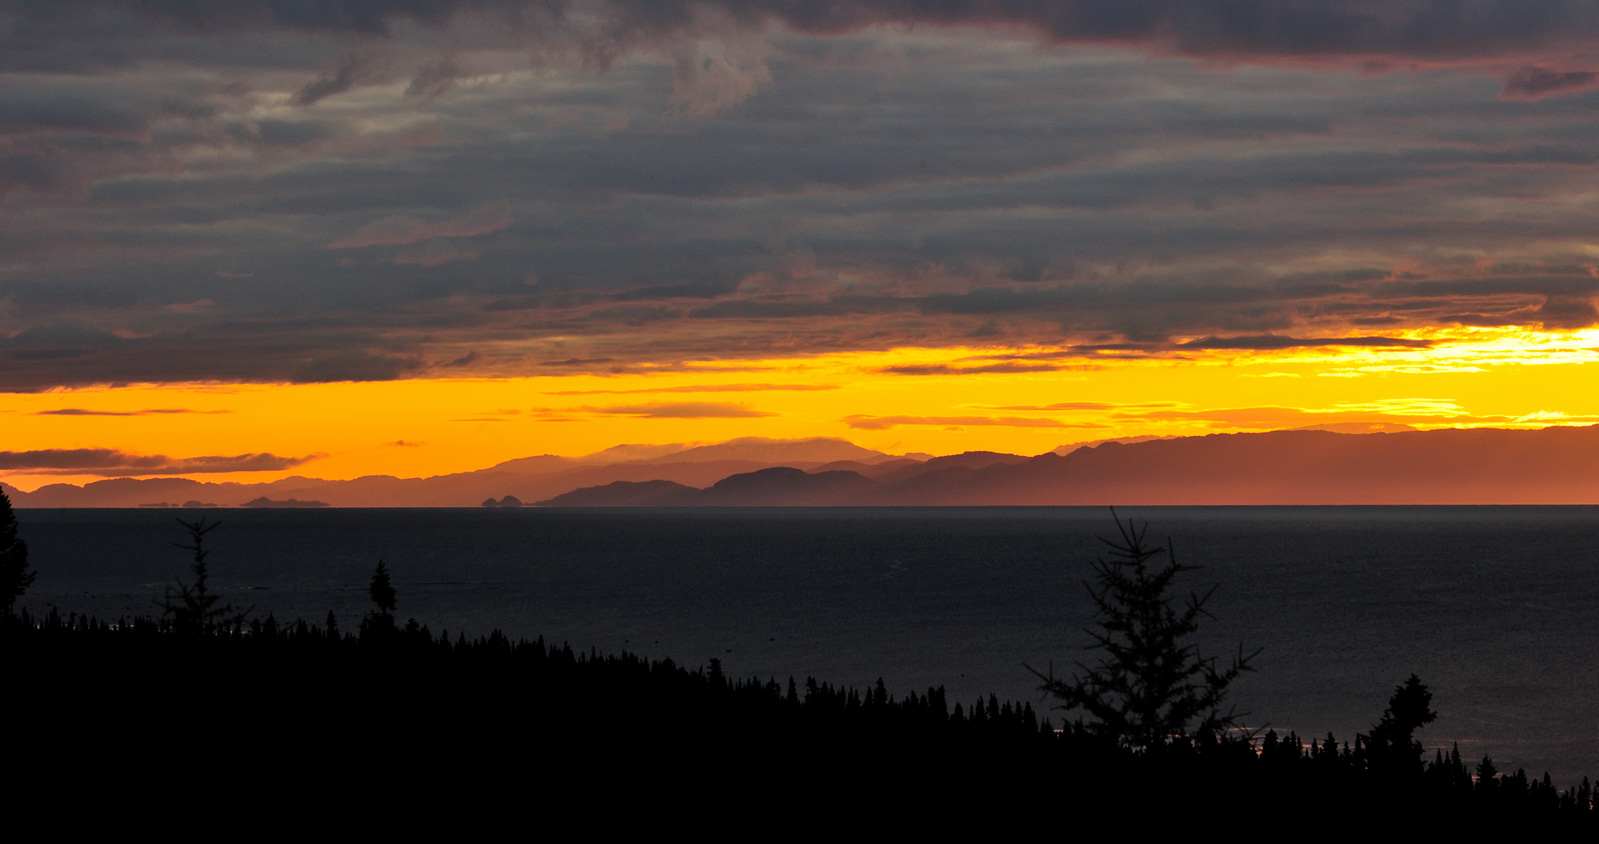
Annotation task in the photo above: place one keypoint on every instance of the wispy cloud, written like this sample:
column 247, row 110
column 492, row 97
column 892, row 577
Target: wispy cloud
column 701, row 388
column 1085, row 405
column 980, row 369
column 155, row 411
column 404, row 231
column 878, row 423
column 110, row 462
column 1275, row 342
column 682, row 410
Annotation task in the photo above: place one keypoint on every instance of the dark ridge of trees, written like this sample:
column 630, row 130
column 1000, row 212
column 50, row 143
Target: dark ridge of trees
column 271, row 702
column 212, row 712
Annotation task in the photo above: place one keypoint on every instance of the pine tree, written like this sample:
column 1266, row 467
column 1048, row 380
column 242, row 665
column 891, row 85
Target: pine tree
column 14, row 575
column 1391, row 747
column 191, row 608
column 1151, row 684
column 381, row 591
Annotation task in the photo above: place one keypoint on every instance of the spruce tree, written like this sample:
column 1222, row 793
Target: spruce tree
column 192, row 608
column 1391, row 748
column 1151, row 685
column 381, row 591
column 15, row 578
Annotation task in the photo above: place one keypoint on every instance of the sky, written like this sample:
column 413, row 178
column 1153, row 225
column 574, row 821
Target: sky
column 245, row 240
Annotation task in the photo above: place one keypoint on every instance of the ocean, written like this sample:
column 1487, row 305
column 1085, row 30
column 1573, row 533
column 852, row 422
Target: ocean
column 1495, row 608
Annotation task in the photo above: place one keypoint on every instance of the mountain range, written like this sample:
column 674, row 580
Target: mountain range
column 1556, row 465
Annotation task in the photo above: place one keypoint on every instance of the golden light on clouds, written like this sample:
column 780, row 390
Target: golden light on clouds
column 935, row 401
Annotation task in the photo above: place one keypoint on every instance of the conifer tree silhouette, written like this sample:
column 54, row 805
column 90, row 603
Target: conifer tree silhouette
column 14, row 575
column 381, row 591
column 191, row 608
column 1392, row 747
column 1150, row 685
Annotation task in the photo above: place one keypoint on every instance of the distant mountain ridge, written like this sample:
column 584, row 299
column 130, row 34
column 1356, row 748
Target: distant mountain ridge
column 1557, row 465
column 1304, row 467
column 534, row 478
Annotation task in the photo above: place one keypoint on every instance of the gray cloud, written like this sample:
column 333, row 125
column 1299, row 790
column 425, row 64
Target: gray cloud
column 341, row 78
column 929, row 184
column 1533, row 82
column 110, row 462
column 1273, row 341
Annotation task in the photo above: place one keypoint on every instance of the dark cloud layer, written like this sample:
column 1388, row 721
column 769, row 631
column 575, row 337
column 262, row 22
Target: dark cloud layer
column 328, row 190
column 1430, row 29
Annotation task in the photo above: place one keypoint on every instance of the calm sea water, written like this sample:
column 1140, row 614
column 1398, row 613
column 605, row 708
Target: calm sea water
column 1496, row 608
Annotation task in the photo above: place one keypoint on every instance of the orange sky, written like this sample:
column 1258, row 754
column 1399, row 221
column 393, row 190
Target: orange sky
column 1483, row 377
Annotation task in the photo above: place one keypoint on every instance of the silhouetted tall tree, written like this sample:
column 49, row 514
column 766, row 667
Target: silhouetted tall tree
column 192, row 608
column 14, row 575
column 381, row 591
column 1392, row 747
column 1151, row 684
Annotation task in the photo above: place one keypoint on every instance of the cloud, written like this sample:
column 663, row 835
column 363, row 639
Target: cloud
column 228, row 349
column 434, row 253
column 1084, row 405
column 115, row 463
column 78, row 411
column 1420, row 411
column 434, row 79
column 348, row 16
column 578, row 362
column 710, row 77
column 342, row 77
column 702, row 388
column 1533, row 82
column 682, row 410
column 1273, row 341
column 1566, row 312
column 403, row 231
column 728, row 181
column 950, row 369
column 879, row 423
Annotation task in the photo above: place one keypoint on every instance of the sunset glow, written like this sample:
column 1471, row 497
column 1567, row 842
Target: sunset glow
column 936, row 401
column 422, row 242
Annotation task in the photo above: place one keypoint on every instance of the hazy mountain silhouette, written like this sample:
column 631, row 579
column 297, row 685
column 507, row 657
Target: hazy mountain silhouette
column 1479, row 466
column 781, row 486
column 528, row 478
column 788, row 487
column 870, row 470
column 814, row 450
column 628, row 494
column 1482, row 466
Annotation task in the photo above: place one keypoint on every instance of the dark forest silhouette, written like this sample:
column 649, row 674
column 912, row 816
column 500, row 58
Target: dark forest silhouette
column 205, row 691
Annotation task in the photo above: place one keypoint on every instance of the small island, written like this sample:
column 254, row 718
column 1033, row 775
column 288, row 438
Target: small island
column 263, row 501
